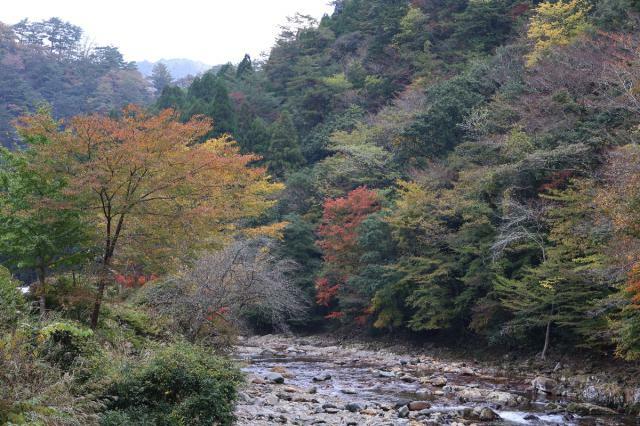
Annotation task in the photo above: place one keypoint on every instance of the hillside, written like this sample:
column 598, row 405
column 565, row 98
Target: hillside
column 451, row 167
column 441, row 196
column 47, row 62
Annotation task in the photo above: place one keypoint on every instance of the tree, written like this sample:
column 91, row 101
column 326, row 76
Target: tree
column 160, row 77
column 284, row 152
column 556, row 24
column 245, row 67
column 339, row 243
column 563, row 289
column 235, row 285
column 148, row 183
column 39, row 232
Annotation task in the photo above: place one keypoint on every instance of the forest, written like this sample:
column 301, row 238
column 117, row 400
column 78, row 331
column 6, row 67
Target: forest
column 450, row 171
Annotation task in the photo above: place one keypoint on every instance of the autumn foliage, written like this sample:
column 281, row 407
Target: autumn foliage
column 339, row 241
column 155, row 192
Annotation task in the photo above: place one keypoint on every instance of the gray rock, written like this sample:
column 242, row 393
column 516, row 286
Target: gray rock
column 487, row 415
column 354, row 407
column 424, row 394
column 403, row 411
column 544, row 384
column 276, row 378
column 586, row 409
column 322, row 377
column 439, row 381
column 607, row 394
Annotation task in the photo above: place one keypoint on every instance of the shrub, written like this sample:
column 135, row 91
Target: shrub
column 179, row 385
column 12, row 304
column 62, row 342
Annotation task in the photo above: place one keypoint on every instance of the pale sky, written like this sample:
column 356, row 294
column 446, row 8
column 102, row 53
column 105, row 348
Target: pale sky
column 211, row 31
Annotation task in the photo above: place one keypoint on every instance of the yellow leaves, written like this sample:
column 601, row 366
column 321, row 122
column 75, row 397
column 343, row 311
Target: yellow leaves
column 274, row 230
column 556, row 24
column 171, row 193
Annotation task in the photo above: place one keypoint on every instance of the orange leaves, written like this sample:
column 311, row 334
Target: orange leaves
column 155, row 191
column 339, row 241
column 340, row 222
column 326, row 291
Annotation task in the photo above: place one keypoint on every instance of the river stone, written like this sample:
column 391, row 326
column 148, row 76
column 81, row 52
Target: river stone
column 487, row 415
column 322, row 377
column 424, row 394
column 386, row 374
column 403, row 411
column 587, row 409
column 543, row 384
column 418, row 405
column 466, row 371
column 276, row 378
column 606, row 394
column 439, row 381
column 348, row 391
column 354, row 407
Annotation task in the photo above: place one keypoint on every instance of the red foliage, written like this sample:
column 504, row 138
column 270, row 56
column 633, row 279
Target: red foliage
column 325, row 291
column 340, row 222
column 334, row 315
column 339, row 240
column 131, row 281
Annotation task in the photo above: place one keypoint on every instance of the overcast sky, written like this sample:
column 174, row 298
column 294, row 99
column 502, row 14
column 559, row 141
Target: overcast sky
column 211, row 31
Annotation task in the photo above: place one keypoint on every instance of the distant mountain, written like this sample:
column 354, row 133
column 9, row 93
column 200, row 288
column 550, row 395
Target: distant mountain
column 179, row 68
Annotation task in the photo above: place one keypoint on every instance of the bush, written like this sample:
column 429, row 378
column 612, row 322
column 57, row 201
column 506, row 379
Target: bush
column 61, row 342
column 12, row 304
column 180, row 385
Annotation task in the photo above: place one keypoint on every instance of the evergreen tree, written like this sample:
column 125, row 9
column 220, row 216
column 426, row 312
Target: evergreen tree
column 160, row 77
column 284, row 152
column 245, row 67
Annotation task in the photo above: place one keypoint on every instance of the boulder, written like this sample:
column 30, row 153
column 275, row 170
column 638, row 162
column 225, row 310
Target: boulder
column 439, row 381
column 354, row 407
column 487, row 415
column 587, row 409
column 544, row 384
column 606, row 394
column 322, row 377
column 403, row 411
column 424, row 394
column 276, row 378
column 418, row 405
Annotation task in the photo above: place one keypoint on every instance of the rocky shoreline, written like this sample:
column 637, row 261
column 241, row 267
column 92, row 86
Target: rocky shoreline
column 314, row 380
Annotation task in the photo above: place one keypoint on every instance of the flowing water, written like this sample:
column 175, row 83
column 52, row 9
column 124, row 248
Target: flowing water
column 382, row 382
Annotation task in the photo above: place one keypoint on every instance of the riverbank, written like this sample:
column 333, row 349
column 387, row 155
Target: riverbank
column 320, row 380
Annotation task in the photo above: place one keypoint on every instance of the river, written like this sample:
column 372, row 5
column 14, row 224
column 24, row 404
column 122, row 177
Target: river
column 307, row 381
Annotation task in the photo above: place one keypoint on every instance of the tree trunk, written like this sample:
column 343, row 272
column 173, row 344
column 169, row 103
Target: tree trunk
column 100, row 294
column 98, row 303
column 43, row 292
column 547, row 335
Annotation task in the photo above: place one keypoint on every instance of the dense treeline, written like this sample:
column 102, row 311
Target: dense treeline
column 50, row 62
column 452, row 166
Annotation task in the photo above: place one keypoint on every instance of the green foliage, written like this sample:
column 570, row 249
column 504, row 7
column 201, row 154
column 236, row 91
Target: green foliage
column 62, row 342
column 284, row 152
column 12, row 304
column 179, row 385
column 438, row 130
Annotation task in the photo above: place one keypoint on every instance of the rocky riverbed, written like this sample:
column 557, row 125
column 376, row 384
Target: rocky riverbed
column 312, row 381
